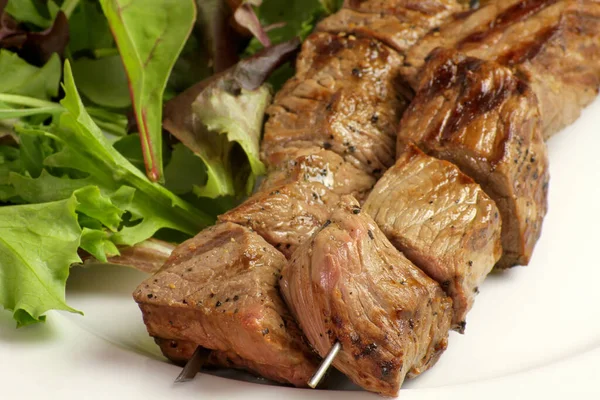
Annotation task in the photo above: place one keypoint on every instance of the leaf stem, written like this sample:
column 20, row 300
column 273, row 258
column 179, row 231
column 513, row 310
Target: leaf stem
column 28, row 101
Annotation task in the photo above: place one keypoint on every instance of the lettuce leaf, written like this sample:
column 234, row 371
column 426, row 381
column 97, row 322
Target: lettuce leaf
column 86, row 151
column 81, row 193
column 150, row 35
column 220, row 120
column 38, row 243
column 19, row 77
column 230, row 118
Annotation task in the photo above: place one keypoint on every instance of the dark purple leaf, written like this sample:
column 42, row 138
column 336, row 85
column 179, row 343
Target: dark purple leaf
column 39, row 46
column 245, row 16
column 34, row 47
column 218, row 36
column 248, row 74
column 252, row 72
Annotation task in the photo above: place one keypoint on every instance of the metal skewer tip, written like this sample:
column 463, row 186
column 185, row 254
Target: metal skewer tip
column 194, row 365
column 318, row 376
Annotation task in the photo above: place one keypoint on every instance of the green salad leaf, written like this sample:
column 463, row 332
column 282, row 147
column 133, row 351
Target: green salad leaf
column 230, row 119
column 332, row 6
column 32, row 11
column 89, row 30
column 86, row 158
column 19, row 77
column 9, row 162
column 79, row 193
column 38, row 244
column 87, row 150
column 150, row 35
column 103, row 81
column 220, row 120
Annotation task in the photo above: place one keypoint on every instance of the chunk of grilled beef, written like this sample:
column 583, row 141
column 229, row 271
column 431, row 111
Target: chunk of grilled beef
column 220, row 290
column 397, row 23
column 481, row 117
column 552, row 44
column 346, row 96
column 315, row 164
column 349, row 284
column 286, row 215
column 442, row 221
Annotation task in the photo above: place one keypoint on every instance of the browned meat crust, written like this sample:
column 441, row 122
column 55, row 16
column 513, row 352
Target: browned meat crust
column 396, row 23
column 286, row 215
column 349, row 284
column 219, row 290
column 442, row 221
column 337, row 118
column 314, row 164
column 553, row 44
column 479, row 116
column 347, row 97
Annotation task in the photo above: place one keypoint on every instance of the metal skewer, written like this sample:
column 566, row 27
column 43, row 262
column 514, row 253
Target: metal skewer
column 316, row 378
column 193, row 366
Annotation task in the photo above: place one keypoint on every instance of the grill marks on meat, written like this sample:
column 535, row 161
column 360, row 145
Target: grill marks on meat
column 287, row 215
column 347, row 97
column 442, row 221
column 552, row 44
column 397, row 23
column 219, row 290
column 315, row 164
column 565, row 72
column 483, row 119
column 349, row 284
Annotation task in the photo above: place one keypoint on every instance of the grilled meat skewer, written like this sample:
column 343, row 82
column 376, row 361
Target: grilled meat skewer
column 326, row 164
column 336, row 118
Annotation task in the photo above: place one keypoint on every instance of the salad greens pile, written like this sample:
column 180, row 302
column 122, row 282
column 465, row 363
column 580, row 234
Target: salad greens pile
column 127, row 120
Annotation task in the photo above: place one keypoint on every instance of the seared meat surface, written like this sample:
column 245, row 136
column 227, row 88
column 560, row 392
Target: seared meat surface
column 286, row 215
column 397, row 23
column 314, row 164
column 219, row 290
column 489, row 83
column 442, row 221
column 552, row 44
column 349, row 284
column 346, row 96
column 481, row 117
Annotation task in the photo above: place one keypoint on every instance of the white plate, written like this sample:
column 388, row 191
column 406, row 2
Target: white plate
column 533, row 332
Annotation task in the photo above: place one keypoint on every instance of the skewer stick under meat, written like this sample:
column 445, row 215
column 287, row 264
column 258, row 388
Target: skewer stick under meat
column 194, row 365
column 348, row 284
column 325, row 364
